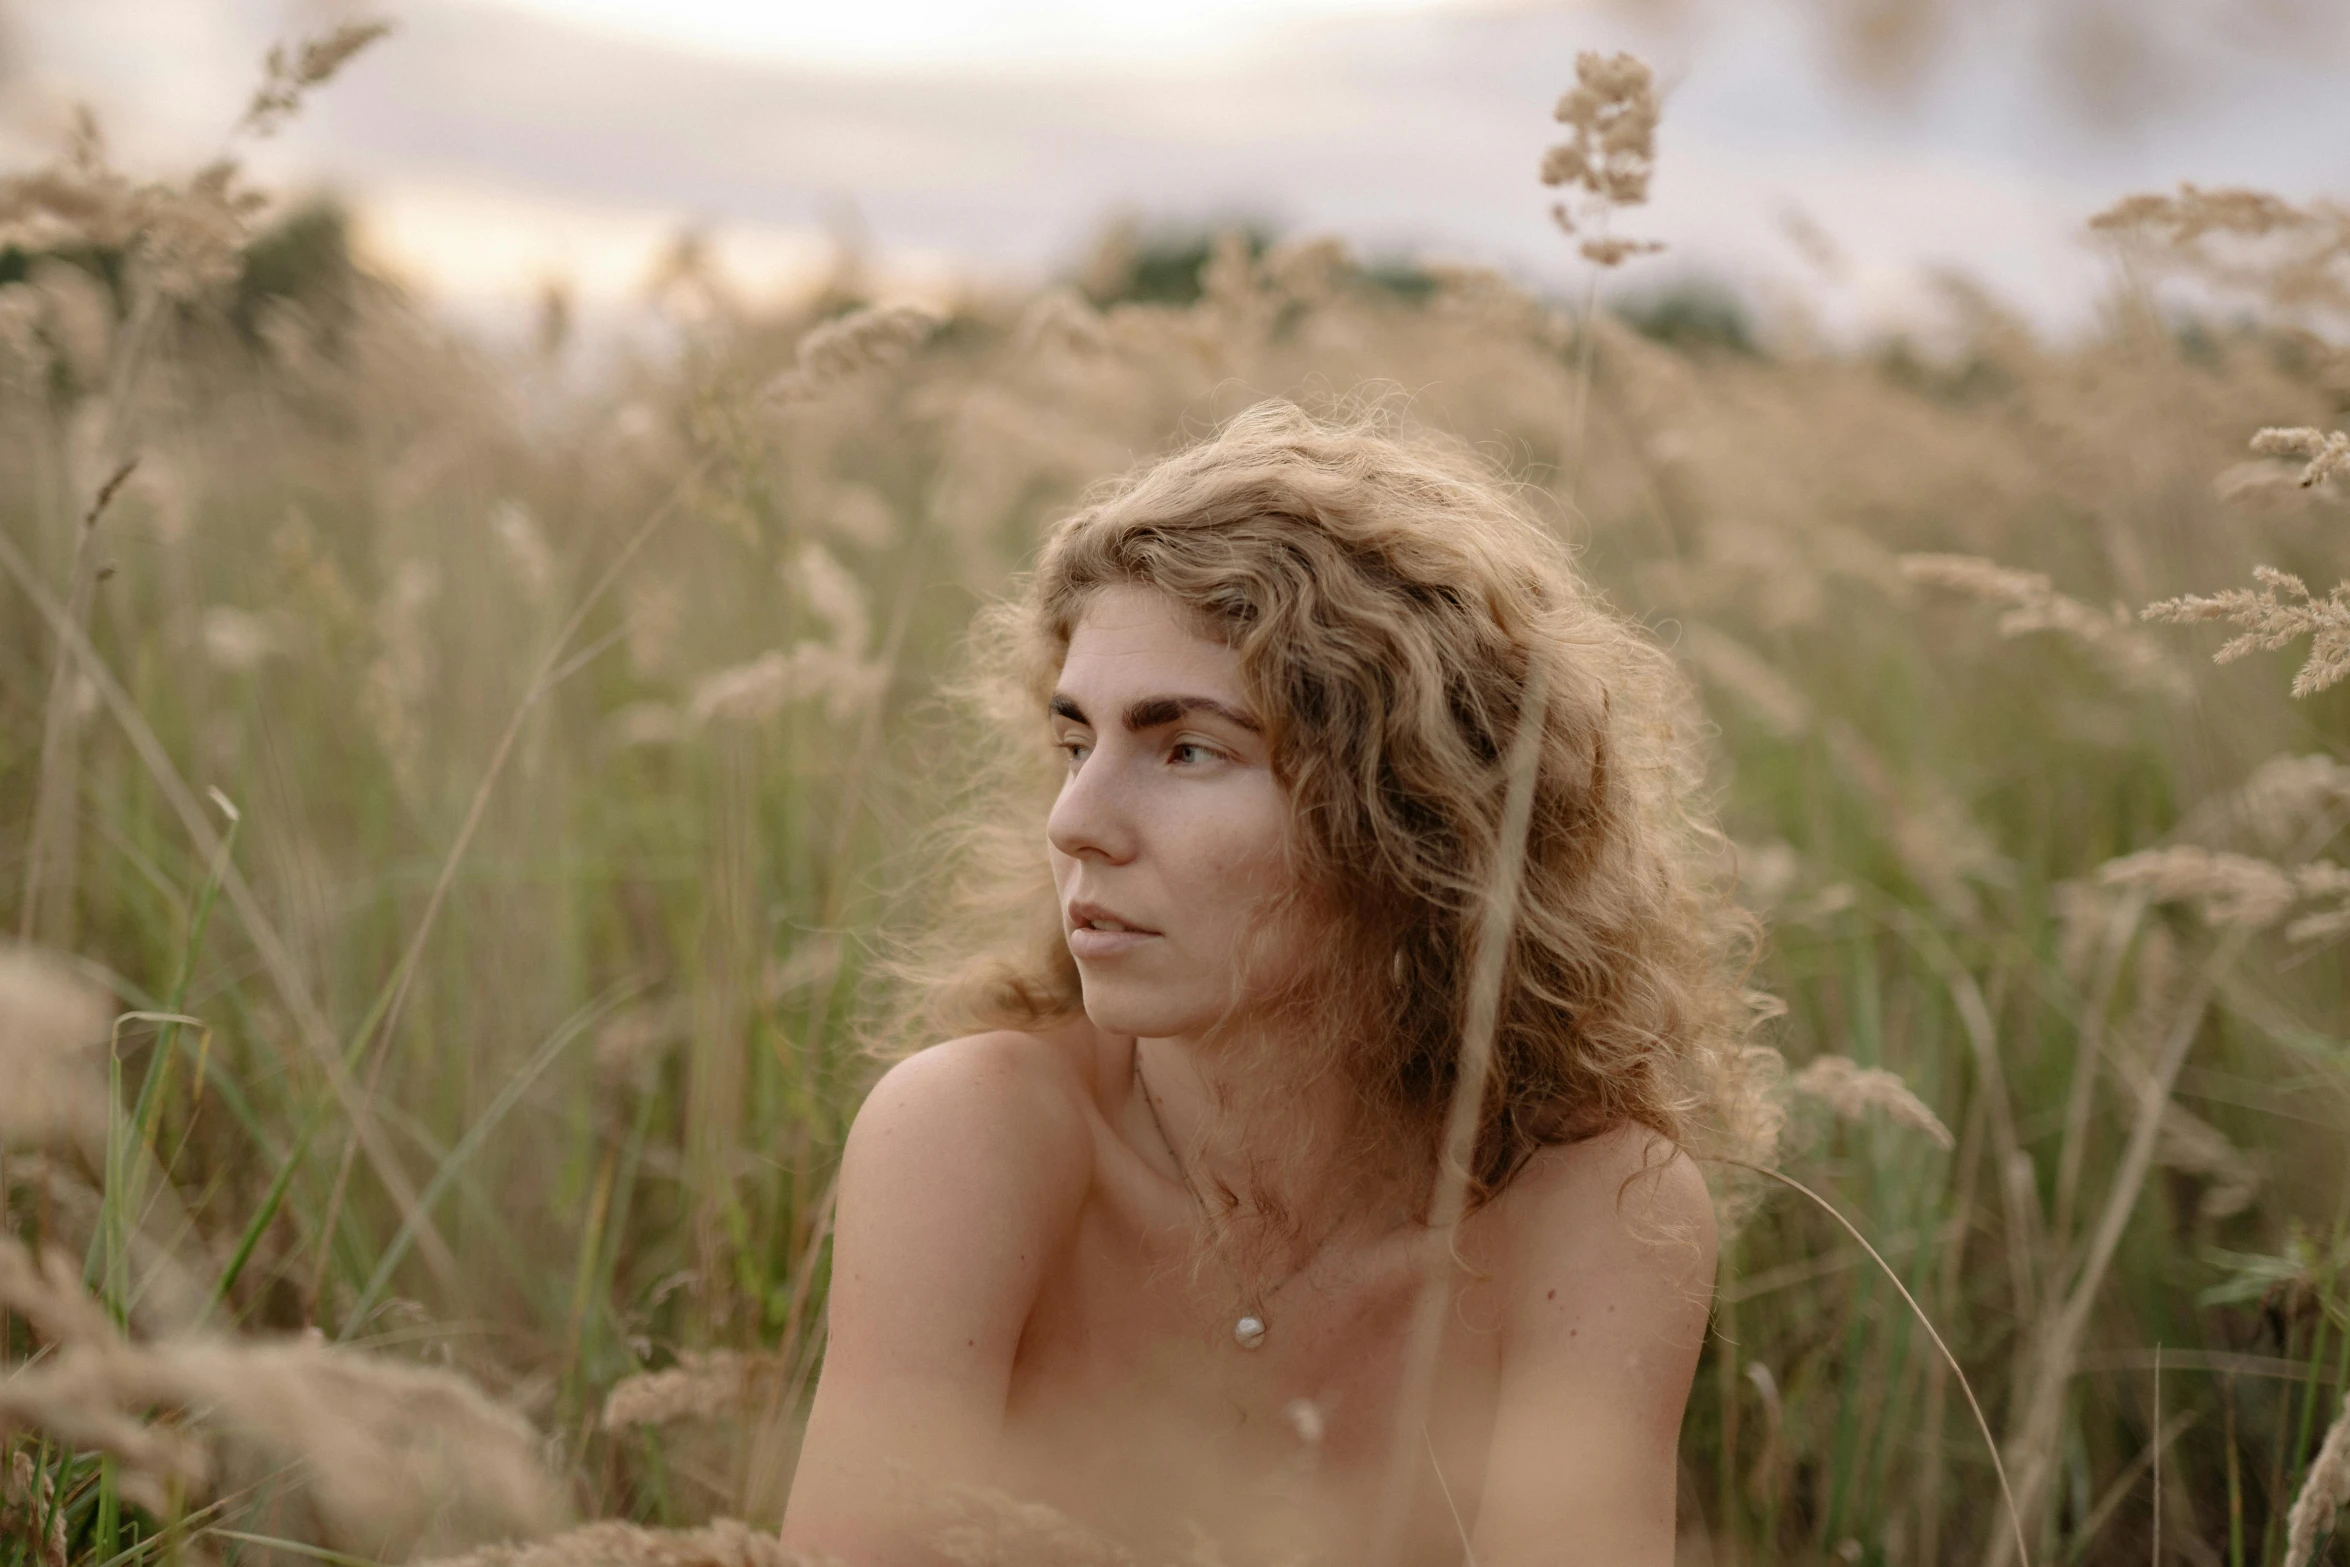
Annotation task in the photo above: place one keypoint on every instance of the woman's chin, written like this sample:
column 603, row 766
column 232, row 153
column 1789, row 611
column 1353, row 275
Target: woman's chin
column 1143, row 1017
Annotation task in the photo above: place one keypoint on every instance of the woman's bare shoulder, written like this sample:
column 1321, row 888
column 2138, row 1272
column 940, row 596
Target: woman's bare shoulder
column 1625, row 1214
column 997, row 1096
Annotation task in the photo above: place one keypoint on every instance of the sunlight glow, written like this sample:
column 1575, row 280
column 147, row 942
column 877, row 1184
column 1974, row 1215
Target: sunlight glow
column 963, row 33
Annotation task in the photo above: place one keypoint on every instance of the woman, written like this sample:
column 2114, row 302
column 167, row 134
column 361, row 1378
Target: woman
column 1148, row 1243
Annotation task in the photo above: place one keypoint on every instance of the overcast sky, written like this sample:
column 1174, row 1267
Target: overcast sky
column 494, row 143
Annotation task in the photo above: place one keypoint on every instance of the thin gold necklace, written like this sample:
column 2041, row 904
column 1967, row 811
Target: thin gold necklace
column 1250, row 1330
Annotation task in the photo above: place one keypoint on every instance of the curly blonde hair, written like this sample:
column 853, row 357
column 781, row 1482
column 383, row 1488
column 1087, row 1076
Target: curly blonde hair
column 1388, row 596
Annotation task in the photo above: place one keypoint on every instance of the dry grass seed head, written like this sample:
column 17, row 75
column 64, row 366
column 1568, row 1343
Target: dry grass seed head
column 287, row 75
column 388, row 1459
column 2193, row 1146
column 2323, row 1494
column 990, row 1528
column 30, row 1512
column 1613, row 110
column 703, row 1385
column 2112, row 637
column 2317, row 883
column 364, row 1454
column 2278, row 612
column 53, row 1040
column 724, row 1542
column 2328, row 452
column 1852, row 1091
column 2225, row 889
column 2287, row 797
column 859, row 341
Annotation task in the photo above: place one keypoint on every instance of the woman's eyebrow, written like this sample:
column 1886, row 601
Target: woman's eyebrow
column 1152, row 711
column 1157, row 710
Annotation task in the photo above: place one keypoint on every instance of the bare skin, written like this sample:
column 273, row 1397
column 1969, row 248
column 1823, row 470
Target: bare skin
column 1025, row 1295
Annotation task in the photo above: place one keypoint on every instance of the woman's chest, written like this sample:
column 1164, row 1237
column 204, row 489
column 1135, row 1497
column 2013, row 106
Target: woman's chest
column 1140, row 1400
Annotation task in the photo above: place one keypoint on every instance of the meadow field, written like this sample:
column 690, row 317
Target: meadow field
column 456, row 804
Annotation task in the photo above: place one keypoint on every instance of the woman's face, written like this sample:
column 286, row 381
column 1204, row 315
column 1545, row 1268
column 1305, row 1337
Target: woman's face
column 1168, row 837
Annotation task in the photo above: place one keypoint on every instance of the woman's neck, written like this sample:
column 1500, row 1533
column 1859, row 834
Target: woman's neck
column 1268, row 1153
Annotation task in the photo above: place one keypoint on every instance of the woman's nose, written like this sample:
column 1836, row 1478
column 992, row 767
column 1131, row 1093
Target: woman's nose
column 1093, row 817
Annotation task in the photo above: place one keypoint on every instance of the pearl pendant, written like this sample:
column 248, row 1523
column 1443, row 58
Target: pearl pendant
column 1249, row 1332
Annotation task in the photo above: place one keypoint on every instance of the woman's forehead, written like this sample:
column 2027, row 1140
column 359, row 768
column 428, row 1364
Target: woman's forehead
column 1129, row 635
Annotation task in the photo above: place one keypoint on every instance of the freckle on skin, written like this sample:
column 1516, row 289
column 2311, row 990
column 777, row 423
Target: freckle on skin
column 1553, row 1295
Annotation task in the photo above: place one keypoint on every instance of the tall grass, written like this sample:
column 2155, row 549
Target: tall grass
column 461, row 798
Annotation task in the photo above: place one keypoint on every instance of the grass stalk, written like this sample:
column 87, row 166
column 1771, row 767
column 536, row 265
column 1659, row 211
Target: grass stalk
column 1448, row 1203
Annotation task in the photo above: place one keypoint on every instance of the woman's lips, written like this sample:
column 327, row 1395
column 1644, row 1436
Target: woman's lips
column 1086, row 942
column 1097, row 932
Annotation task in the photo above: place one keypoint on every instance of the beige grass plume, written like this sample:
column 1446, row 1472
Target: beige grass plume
column 2112, row 637
column 2226, row 889
column 1852, row 1091
column 2243, row 239
column 2328, row 452
column 2193, row 1146
column 1612, row 112
column 2196, row 212
column 704, row 1384
column 56, row 1105
column 844, row 348
column 53, row 1038
column 2323, row 1494
column 2287, row 796
column 2325, row 883
column 353, row 1452
column 27, row 1497
column 287, row 75
column 724, row 1542
column 2275, row 614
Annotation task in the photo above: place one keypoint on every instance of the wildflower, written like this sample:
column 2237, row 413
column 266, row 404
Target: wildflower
column 1852, row 1090
column 2278, row 612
